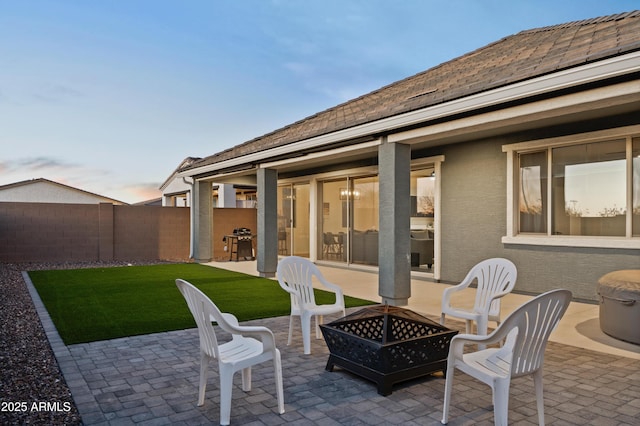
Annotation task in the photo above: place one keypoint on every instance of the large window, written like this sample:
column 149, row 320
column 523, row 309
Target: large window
column 589, row 189
column 566, row 189
column 532, row 203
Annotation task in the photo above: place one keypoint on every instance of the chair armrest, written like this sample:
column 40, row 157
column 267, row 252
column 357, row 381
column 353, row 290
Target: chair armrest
column 466, row 282
column 293, row 292
column 458, row 342
column 333, row 287
column 448, row 292
column 257, row 331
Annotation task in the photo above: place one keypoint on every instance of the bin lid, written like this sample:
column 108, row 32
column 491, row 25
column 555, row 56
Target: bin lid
column 623, row 284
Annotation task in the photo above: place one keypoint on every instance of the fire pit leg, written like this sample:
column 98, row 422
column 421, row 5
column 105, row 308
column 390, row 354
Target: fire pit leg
column 384, row 387
column 330, row 364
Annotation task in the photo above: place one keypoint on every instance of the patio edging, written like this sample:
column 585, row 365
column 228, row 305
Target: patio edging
column 81, row 394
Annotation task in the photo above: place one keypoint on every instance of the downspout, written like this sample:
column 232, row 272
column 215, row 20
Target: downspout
column 192, row 218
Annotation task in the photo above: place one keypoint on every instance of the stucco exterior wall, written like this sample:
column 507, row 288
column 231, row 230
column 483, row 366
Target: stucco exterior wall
column 474, row 221
column 52, row 232
column 45, row 192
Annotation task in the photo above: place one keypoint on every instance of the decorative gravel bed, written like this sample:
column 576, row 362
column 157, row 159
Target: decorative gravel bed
column 32, row 388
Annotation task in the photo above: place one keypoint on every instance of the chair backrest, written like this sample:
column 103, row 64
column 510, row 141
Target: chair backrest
column 328, row 238
column 203, row 311
column 534, row 322
column 493, row 276
column 297, row 273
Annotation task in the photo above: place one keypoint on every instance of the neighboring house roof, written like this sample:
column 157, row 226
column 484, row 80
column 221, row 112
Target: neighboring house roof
column 183, row 165
column 523, row 56
column 151, row 202
column 47, row 191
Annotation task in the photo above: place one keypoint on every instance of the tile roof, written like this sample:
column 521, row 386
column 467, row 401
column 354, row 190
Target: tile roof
column 525, row 55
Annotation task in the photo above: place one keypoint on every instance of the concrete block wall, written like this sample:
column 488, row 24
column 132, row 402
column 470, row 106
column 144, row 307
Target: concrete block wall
column 225, row 220
column 51, row 232
column 151, row 232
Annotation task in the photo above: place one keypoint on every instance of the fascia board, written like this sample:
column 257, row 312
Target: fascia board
column 575, row 102
column 315, row 156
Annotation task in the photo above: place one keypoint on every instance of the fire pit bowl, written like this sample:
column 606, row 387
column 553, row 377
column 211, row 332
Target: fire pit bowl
column 387, row 345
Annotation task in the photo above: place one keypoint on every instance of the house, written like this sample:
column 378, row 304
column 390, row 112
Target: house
column 176, row 190
column 527, row 148
column 47, row 191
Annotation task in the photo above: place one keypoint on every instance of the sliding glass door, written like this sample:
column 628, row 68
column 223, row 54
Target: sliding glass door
column 423, row 233
column 364, row 232
column 293, row 220
column 349, row 231
column 333, row 241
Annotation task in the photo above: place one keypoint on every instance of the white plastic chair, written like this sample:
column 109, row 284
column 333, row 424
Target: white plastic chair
column 527, row 332
column 240, row 353
column 495, row 278
column 296, row 276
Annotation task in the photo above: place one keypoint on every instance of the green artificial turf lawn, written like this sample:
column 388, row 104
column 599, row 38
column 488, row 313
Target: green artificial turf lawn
column 105, row 303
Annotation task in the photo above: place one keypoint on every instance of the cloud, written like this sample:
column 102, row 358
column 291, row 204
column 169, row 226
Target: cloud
column 56, row 93
column 41, row 163
column 51, row 168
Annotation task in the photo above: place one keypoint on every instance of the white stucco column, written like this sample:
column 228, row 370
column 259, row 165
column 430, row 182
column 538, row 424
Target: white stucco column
column 267, row 244
column 226, row 195
column 202, row 216
column 168, row 201
column 394, row 243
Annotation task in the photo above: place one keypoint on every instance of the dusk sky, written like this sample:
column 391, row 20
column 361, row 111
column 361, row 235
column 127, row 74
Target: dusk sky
column 110, row 96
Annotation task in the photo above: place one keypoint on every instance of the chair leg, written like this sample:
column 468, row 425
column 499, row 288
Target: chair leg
column 305, row 322
column 290, row 329
column 442, row 319
column 204, row 369
column 318, row 322
column 246, row 379
column 482, row 330
column 448, row 384
column 277, row 363
column 501, row 402
column 537, row 380
column 501, row 342
column 226, row 390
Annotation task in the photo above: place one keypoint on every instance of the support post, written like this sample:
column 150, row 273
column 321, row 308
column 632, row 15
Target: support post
column 203, row 221
column 267, row 244
column 394, row 244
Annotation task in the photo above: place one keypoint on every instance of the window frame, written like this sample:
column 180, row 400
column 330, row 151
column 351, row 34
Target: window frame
column 548, row 239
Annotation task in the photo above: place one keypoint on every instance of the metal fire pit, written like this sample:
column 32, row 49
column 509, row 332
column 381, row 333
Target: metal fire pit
column 387, row 345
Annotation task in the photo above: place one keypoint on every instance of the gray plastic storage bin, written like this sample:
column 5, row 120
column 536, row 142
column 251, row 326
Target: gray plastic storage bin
column 619, row 293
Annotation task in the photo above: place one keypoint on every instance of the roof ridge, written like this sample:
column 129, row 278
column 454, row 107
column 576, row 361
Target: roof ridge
column 583, row 22
column 53, row 182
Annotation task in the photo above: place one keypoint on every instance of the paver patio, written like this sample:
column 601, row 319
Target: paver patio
column 152, row 380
